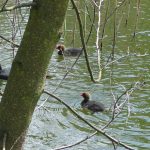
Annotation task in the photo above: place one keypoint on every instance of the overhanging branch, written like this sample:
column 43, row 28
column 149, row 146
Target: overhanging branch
column 89, row 124
column 17, row 6
column 82, row 40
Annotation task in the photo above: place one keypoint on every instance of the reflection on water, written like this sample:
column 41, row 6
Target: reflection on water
column 54, row 125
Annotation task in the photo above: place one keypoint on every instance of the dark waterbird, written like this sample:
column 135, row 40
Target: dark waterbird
column 68, row 51
column 4, row 73
column 94, row 106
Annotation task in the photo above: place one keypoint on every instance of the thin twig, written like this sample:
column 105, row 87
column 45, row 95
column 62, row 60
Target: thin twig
column 119, row 107
column 99, row 53
column 4, row 141
column 104, row 25
column 15, row 45
column 17, row 140
column 92, row 23
column 5, row 3
column 116, row 60
column 137, row 17
column 77, row 143
column 115, row 10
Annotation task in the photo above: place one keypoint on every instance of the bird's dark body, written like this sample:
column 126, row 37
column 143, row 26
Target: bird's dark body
column 4, row 73
column 94, row 106
column 72, row 51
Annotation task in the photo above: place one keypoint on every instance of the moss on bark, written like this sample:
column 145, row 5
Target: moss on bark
column 25, row 83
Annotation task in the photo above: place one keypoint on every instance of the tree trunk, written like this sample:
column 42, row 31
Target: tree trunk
column 29, row 68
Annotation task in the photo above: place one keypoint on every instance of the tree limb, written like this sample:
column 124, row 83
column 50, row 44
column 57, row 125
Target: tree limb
column 17, row 6
column 82, row 40
column 90, row 124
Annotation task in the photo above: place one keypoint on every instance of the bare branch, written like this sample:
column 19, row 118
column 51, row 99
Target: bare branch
column 15, row 45
column 128, row 55
column 17, row 6
column 99, row 53
column 5, row 3
column 82, row 40
column 90, row 124
column 137, row 16
column 4, row 141
column 77, row 143
column 117, row 108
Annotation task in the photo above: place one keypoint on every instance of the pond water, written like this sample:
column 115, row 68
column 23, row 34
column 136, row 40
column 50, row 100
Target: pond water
column 54, row 125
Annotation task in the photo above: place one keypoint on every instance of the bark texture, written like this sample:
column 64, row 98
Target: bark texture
column 27, row 76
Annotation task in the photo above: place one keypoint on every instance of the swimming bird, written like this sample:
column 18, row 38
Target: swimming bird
column 68, row 51
column 94, row 106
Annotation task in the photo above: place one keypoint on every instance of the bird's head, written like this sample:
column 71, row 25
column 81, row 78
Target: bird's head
column 85, row 95
column 60, row 49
